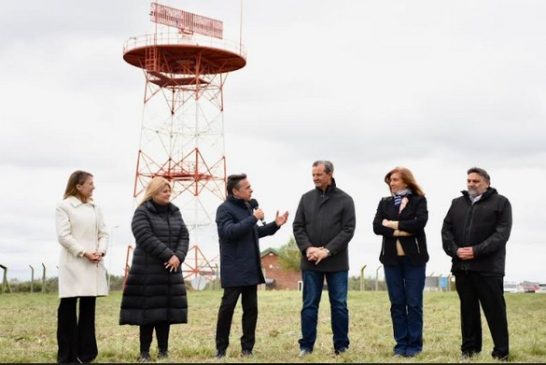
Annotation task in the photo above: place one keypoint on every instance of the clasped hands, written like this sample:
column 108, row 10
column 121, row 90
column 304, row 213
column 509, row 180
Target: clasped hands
column 316, row 254
column 173, row 264
column 94, row 257
column 394, row 225
column 465, row 253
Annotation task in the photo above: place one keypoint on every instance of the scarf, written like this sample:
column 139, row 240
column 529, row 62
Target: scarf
column 398, row 196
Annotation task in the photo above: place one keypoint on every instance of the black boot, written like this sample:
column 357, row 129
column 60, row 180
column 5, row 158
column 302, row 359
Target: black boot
column 144, row 357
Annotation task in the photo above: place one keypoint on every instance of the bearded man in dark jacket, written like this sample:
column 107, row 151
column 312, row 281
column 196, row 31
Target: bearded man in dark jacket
column 240, row 262
column 323, row 226
column 475, row 231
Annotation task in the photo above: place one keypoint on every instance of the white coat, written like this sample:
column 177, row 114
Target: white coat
column 80, row 228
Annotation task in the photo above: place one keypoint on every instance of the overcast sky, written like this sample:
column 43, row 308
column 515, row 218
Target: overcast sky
column 436, row 86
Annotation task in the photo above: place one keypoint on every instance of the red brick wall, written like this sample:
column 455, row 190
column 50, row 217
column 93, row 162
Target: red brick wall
column 273, row 270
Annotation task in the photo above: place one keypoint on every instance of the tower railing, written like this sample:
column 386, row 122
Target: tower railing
column 166, row 39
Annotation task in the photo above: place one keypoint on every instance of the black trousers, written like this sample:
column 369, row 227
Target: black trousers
column 250, row 316
column 161, row 333
column 476, row 288
column 76, row 334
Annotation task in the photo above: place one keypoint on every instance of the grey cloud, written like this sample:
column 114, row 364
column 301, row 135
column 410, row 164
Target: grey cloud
column 436, row 86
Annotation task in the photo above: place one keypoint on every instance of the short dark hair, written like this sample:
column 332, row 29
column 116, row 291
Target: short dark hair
column 481, row 172
column 233, row 182
column 328, row 165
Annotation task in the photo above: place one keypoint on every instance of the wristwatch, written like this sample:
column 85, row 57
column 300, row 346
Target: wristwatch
column 328, row 253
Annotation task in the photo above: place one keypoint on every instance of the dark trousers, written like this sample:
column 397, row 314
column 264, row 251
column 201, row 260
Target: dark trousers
column 250, row 316
column 337, row 293
column 161, row 333
column 76, row 334
column 405, row 284
column 475, row 288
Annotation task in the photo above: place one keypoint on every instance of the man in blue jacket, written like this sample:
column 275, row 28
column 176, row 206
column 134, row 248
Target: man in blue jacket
column 475, row 231
column 240, row 263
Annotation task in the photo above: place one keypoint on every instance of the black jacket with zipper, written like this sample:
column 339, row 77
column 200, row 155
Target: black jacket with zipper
column 411, row 219
column 239, row 234
column 484, row 225
column 325, row 219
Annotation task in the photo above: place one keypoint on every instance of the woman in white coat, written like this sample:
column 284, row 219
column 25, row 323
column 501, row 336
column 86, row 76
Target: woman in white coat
column 82, row 234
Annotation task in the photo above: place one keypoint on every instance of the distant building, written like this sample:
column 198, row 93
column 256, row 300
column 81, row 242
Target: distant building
column 438, row 283
column 432, row 283
column 275, row 276
column 530, row 287
column 512, row 287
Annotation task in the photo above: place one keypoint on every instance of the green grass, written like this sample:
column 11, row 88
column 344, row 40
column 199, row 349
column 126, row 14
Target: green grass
column 28, row 329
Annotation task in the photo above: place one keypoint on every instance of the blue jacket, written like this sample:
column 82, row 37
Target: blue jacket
column 238, row 233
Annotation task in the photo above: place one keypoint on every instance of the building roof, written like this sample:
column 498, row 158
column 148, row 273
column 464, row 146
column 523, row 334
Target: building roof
column 269, row 250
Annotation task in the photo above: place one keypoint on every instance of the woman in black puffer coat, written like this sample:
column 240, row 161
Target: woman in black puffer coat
column 155, row 295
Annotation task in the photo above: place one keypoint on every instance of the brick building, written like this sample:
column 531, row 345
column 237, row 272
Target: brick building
column 275, row 276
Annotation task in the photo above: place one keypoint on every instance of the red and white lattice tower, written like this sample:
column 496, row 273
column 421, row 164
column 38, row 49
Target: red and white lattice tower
column 185, row 63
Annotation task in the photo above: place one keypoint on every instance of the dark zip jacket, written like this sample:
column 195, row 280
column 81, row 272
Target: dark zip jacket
column 412, row 219
column 484, row 225
column 325, row 219
column 238, row 233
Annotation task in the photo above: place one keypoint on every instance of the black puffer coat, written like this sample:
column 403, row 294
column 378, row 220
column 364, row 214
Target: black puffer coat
column 411, row 219
column 484, row 225
column 153, row 294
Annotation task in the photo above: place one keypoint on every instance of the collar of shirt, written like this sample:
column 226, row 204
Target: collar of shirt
column 475, row 200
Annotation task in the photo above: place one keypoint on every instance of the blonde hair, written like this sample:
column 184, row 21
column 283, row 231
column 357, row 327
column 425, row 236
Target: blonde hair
column 78, row 177
column 407, row 178
column 154, row 187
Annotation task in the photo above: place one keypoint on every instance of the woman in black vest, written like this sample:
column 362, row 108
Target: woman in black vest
column 155, row 295
column 401, row 220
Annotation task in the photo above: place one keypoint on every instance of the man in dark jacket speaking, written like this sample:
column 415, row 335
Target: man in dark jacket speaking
column 240, row 263
column 323, row 226
column 475, row 231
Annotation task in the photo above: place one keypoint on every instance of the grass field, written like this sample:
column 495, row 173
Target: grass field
column 28, row 329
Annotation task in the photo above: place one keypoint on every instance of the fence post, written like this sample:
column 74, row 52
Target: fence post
column 377, row 277
column 31, row 278
column 110, row 239
column 43, row 278
column 127, row 267
column 5, row 284
column 362, row 286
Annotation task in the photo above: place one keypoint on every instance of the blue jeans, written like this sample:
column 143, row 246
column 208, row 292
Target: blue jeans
column 337, row 293
column 405, row 283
